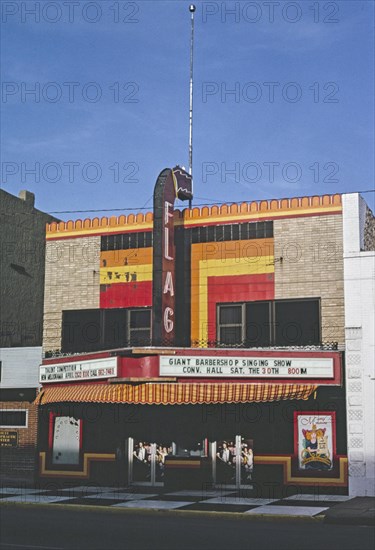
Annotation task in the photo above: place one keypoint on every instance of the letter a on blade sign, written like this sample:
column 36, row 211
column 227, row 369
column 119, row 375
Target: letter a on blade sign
column 171, row 184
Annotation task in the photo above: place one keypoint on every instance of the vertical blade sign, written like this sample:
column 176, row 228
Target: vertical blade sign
column 171, row 184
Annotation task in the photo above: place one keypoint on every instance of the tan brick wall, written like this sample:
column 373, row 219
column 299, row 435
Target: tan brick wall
column 311, row 249
column 71, row 282
column 19, row 463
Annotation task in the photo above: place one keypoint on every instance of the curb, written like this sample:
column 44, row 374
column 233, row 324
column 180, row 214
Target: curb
column 171, row 513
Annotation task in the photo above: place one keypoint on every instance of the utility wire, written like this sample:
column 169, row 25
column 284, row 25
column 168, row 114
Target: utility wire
column 214, row 203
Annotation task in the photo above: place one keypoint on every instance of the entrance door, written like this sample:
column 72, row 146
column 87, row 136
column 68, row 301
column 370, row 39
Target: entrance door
column 232, row 462
column 146, row 461
column 246, row 462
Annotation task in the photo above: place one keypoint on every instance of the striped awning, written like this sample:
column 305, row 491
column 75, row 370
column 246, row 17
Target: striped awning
column 173, row 394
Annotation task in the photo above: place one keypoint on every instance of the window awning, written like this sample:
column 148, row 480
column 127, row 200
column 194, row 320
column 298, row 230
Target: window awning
column 173, row 394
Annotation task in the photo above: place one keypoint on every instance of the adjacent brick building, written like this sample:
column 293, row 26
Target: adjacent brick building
column 22, row 238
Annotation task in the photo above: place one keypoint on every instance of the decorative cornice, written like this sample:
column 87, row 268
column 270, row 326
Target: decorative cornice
column 225, row 213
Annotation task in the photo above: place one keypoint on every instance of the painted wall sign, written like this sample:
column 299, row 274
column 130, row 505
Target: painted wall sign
column 78, row 370
column 171, row 184
column 8, row 439
column 315, row 441
column 246, row 367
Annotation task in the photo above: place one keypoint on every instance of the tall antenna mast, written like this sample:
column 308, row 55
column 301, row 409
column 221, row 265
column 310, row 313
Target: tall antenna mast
column 192, row 10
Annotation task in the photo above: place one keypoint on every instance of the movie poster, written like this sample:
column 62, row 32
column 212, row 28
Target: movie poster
column 316, row 441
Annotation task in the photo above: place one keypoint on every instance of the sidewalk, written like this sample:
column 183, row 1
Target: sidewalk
column 356, row 511
column 333, row 508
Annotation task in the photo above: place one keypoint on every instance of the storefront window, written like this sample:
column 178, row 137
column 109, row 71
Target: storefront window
column 13, row 418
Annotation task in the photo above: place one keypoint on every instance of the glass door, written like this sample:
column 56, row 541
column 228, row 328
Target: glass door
column 232, row 462
column 162, row 451
column 139, row 462
column 146, row 461
column 246, row 463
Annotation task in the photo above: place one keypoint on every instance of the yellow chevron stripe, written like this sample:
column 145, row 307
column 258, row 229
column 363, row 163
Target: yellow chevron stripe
column 226, row 266
column 286, row 462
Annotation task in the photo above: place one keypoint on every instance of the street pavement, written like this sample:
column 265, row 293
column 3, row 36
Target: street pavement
column 69, row 527
column 332, row 508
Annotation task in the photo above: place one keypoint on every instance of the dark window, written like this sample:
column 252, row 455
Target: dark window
column 81, row 330
column 141, row 240
column 201, row 234
column 111, row 242
column 204, row 234
column 114, row 328
column 139, row 327
column 104, row 243
column 140, row 318
column 13, row 419
column 227, row 232
column 244, row 231
column 126, row 241
column 195, row 235
column 263, row 324
column 148, row 239
column 252, row 230
column 133, row 240
column 230, row 336
column 211, row 233
column 231, row 324
column 219, row 233
column 139, row 337
column 100, row 329
column 297, row 323
column 230, row 315
column 260, row 230
column 258, row 324
column 268, row 229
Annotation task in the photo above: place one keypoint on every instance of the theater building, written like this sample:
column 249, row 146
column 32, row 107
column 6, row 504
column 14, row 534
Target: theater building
column 197, row 346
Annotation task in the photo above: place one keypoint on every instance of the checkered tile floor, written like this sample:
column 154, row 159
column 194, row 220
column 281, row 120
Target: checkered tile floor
column 220, row 500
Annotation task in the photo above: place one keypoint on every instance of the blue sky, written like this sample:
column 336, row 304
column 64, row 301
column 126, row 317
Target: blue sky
column 283, row 102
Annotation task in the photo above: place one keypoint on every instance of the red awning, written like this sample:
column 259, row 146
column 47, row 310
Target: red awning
column 173, row 394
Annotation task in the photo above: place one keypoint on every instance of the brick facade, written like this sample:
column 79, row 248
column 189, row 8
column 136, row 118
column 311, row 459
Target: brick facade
column 309, row 263
column 72, row 282
column 17, row 464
